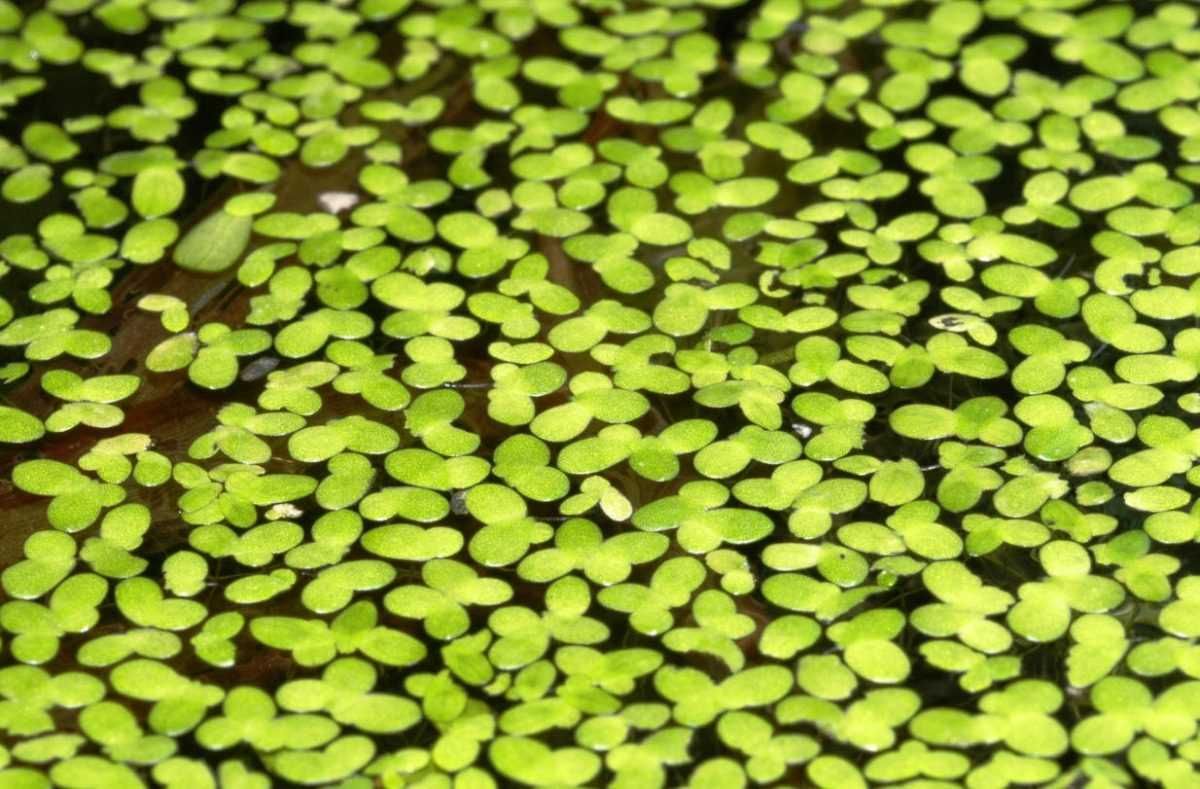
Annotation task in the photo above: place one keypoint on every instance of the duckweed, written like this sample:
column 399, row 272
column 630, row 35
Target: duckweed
column 581, row 392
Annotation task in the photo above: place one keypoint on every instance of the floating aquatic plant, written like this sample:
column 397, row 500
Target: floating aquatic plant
column 588, row 392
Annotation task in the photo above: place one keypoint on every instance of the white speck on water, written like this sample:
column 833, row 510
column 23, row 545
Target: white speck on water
column 284, row 510
column 337, row 202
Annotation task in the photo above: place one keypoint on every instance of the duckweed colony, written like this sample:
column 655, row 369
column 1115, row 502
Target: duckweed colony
column 528, row 392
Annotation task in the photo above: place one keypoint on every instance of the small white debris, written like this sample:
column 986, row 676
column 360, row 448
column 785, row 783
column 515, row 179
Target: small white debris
column 337, row 202
column 284, row 510
column 802, row 430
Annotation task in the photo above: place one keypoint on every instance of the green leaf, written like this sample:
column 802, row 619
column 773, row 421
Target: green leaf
column 215, row 243
column 19, row 427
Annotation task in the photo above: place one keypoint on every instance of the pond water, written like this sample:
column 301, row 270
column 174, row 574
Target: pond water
column 556, row 393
